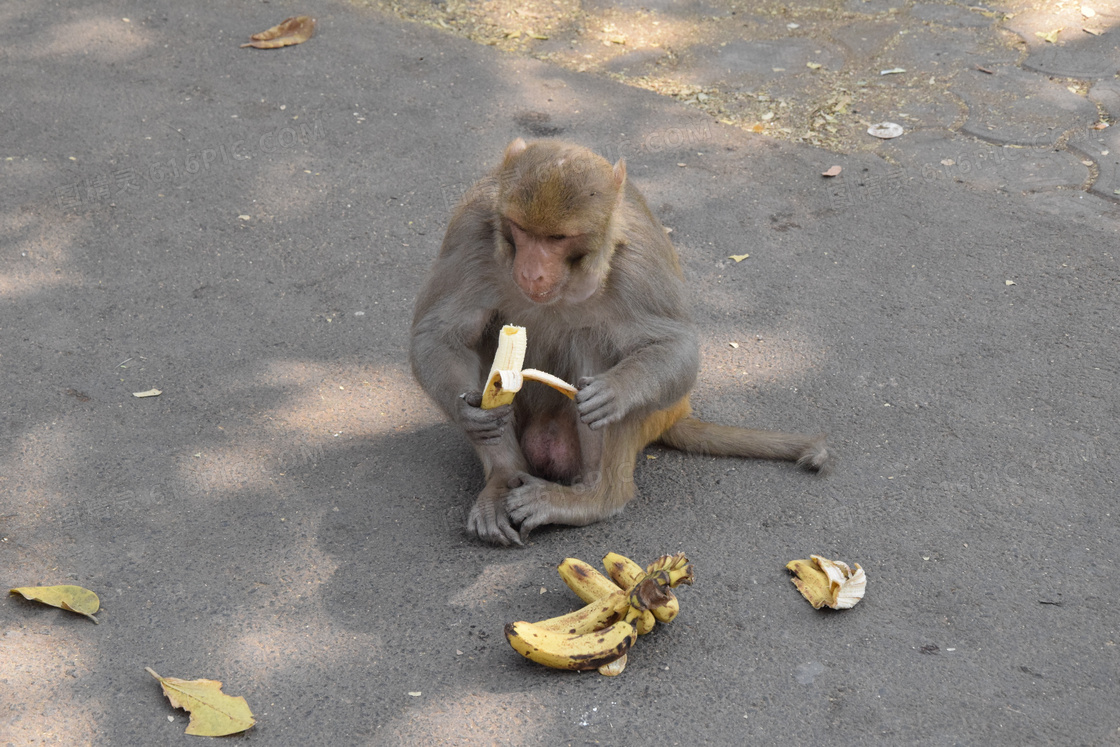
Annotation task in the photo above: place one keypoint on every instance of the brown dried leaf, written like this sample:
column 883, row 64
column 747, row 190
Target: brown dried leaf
column 834, row 171
column 294, row 30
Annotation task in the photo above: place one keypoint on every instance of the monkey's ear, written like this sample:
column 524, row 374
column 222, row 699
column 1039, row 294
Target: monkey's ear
column 516, row 148
column 619, row 173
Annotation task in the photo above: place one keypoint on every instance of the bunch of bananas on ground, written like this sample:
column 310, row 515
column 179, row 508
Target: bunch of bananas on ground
column 619, row 609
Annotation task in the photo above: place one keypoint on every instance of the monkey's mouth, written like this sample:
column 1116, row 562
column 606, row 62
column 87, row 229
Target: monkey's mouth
column 543, row 298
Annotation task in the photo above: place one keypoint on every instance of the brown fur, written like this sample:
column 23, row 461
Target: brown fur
column 558, row 241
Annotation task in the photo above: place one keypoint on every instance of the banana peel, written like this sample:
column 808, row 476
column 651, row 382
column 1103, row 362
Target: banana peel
column 507, row 376
column 828, row 583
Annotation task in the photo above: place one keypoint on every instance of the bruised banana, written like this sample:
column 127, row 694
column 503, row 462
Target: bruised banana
column 599, row 635
column 506, row 375
column 664, row 573
column 566, row 651
column 626, row 572
column 591, row 586
column 597, row 615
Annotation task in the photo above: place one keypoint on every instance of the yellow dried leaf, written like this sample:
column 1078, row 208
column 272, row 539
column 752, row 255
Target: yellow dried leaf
column 72, row 598
column 813, row 65
column 149, row 393
column 294, row 30
column 213, row 713
column 738, row 257
column 1050, row 36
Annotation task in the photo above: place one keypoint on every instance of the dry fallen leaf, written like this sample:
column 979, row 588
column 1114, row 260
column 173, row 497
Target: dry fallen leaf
column 834, row 171
column 1050, row 36
column 72, row 598
column 213, row 713
column 1009, row 282
column 813, row 65
column 1099, row 126
column 294, row 30
column 828, row 582
column 149, row 393
column 738, row 257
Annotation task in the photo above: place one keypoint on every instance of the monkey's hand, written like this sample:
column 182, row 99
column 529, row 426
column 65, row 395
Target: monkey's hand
column 598, row 402
column 482, row 426
column 489, row 518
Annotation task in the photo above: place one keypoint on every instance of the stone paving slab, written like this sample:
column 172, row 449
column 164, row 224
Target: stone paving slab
column 745, row 64
column 987, row 166
column 1012, row 106
column 1103, row 148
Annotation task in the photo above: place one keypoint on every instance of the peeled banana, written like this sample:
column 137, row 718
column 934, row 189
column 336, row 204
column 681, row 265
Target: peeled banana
column 600, row 634
column 506, row 376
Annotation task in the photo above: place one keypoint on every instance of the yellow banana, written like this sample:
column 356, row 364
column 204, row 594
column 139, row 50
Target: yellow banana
column 595, row 616
column 625, row 572
column 566, row 651
column 591, row 586
column 506, row 375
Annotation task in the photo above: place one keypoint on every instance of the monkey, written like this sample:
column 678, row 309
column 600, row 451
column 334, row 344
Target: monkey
column 556, row 239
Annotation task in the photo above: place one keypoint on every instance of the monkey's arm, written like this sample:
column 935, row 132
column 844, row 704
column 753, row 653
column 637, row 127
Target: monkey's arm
column 658, row 368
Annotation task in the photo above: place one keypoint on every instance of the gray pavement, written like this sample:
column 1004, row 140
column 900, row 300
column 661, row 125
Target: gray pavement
column 246, row 230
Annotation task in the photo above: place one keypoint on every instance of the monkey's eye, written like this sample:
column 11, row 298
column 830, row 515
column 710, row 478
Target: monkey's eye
column 557, row 237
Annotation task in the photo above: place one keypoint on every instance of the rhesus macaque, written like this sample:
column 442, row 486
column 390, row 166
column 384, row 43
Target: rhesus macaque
column 558, row 241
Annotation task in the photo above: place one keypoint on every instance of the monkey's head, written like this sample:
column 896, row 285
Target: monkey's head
column 558, row 205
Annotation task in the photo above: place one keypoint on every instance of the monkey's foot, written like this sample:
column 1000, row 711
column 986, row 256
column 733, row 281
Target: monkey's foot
column 489, row 519
column 538, row 502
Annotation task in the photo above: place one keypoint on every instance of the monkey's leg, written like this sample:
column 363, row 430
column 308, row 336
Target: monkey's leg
column 604, row 487
column 501, row 464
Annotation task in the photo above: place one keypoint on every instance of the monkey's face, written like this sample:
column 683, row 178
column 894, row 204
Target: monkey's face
column 548, row 267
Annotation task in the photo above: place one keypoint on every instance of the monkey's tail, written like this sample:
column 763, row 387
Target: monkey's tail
column 699, row 437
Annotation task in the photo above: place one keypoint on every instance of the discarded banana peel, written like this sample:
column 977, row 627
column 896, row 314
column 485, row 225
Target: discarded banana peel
column 506, row 376
column 827, row 582
column 600, row 634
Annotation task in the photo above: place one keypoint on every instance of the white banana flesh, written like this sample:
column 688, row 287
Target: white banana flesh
column 507, row 376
